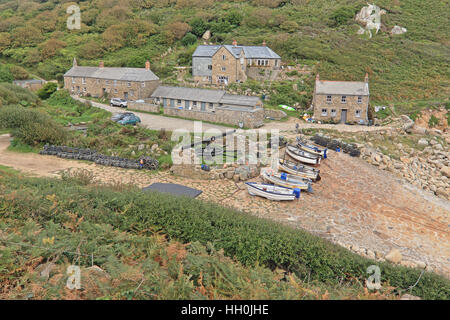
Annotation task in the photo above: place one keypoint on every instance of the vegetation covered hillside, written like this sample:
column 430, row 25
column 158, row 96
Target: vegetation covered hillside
column 321, row 34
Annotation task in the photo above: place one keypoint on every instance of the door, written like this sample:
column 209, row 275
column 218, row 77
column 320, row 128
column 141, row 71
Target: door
column 125, row 95
column 344, row 116
column 164, row 102
column 172, row 103
column 203, row 106
column 186, row 104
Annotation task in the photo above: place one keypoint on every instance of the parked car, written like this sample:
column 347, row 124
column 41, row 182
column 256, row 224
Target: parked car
column 116, row 102
column 119, row 116
column 130, row 119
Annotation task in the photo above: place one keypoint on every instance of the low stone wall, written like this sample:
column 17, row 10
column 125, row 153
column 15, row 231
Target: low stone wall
column 251, row 118
column 233, row 172
column 143, row 106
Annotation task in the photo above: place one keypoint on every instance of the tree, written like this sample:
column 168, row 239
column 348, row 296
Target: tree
column 198, row 27
column 342, row 16
column 189, row 39
column 51, row 47
column 19, row 73
column 289, row 26
column 91, row 50
column 234, row 18
column 26, row 36
column 47, row 90
column 178, row 29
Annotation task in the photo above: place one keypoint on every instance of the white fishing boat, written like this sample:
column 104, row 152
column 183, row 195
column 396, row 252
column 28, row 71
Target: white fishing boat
column 270, row 191
column 287, row 180
column 299, row 170
column 312, row 149
column 303, row 156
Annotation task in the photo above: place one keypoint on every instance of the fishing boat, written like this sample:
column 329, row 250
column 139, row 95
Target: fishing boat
column 300, row 170
column 270, row 191
column 303, row 156
column 287, row 180
column 312, row 149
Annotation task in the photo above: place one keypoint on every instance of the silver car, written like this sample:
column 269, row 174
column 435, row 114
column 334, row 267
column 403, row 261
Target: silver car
column 116, row 102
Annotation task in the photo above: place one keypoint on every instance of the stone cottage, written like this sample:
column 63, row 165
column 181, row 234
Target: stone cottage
column 33, row 84
column 124, row 83
column 210, row 105
column 225, row 64
column 341, row 101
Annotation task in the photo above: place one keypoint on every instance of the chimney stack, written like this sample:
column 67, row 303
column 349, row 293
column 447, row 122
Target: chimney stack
column 234, row 43
column 317, row 77
column 366, row 78
column 147, row 65
column 102, row 64
column 264, row 43
column 75, row 63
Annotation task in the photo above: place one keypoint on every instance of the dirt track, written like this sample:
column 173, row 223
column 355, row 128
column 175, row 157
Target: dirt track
column 354, row 204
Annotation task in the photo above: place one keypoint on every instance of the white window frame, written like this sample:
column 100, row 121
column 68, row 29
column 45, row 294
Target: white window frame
column 73, row 80
column 143, row 84
column 194, row 103
column 84, row 89
column 107, row 82
column 209, row 66
column 115, row 83
column 129, row 84
column 224, row 57
column 358, row 113
column 324, row 112
column 329, row 99
column 224, row 68
column 343, row 99
column 83, row 80
column 359, row 99
column 333, row 112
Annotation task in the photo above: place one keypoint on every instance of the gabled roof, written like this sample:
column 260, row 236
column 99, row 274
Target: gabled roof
column 355, row 88
column 250, row 52
column 193, row 94
column 123, row 74
column 206, row 50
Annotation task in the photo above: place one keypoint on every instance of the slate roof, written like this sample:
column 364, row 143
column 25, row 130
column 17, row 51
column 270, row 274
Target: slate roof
column 250, row 52
column 122, row 74
column 174, row 189
column 351, row 88
column 239, row 100
column 204, row 95
column 194, row 94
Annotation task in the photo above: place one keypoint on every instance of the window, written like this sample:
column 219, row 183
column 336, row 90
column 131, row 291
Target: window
column 107, row 82
column 115, row 83
column 143, row 84
column 83, row 81
column 211, row 105
column 328, row 99
column 224, row 69
column 194, row 103
column 129, row 84
column 84, row 89
column 359, row 99
column 73, row 80
column 115, row 90
column 344, row 99
column 324, row 112
column 222, row 79
column 132, row 93
column 73, row 89
column 333, row 112
column 224, row 57
column 209, row 67
column 179, row 101
column 358, row 113
column 209, row 78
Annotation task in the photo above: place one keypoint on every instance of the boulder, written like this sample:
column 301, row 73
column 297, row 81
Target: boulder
column 394, row 256
column 445, row 171
column 398, row 30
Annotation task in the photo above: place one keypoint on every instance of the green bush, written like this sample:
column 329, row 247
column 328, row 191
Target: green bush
column 189, row 39
column 342, row 16
column 47, row 90
column 12, row 94
column 31, row 127
column 199, row 27
column 5, row 74
column 251, row 240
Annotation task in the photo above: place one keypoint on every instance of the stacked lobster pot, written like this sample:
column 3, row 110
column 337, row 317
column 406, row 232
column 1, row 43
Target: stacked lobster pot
column 91, row 155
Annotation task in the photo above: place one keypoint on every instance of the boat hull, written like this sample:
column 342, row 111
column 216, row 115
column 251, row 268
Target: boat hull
column 254, row 189
column 287, row 183
column 313, row 150
column 313, row 175
column 299, row 157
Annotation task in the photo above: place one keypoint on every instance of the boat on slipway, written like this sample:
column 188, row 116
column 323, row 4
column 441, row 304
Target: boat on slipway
column 303, row 156
column 287, row 180
column 271, row 192
column 298, row 169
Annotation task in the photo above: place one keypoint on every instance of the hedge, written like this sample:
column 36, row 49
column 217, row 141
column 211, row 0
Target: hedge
column 248, row 239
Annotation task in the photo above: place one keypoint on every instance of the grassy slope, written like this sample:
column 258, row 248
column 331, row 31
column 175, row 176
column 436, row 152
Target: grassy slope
column 162, row 269
column 402, row 68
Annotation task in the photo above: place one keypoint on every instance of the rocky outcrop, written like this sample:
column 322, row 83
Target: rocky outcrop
column 398, row 30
